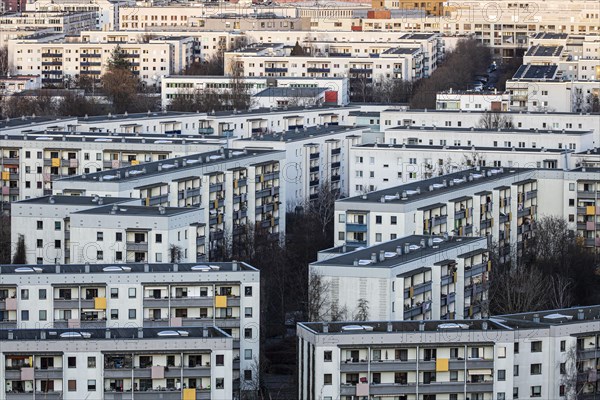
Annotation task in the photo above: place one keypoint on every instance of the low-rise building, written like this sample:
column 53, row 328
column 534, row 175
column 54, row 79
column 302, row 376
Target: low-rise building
column 473, row 101
column 414, row 277
column 548, row 354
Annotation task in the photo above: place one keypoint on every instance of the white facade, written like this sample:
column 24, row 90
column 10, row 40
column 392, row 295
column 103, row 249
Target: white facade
column 380, row 166
column 472, row 101
column 57, row 58
column 234, row 190
column 144, row 297
column 15, row 84
column 523, row 355
column 313, row 156
column 503, row 203
column 410, row 278
column 553, row 95
column 176, row 85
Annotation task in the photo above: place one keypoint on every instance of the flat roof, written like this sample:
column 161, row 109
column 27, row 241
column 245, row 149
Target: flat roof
column 419, row 190
column 74, row 200
column 462, row 148
column 113, row 117
column 291, row 92
column 134, row 268
column 30, row 120
column 536, row 72
column 393, row 259
column 109, row 334
column 302, row 134
column 484, row 130
column 157, row 168
column 402, row 50
column 544, row 51
column 141, row 211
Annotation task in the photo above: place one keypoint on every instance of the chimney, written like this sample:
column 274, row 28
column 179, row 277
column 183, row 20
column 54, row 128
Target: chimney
column 87, row 268
column 484, row 325
column 234, row 266
column 381, row 255
column 355, row 263
column 536, row 318
column 430, row 242
column 161, row 210
column 160, row 167
column 580, row 315
column 146, row 267
column 421, row 326
column 423, row 243
column 11, row 335
column 57, row 268
column 43, row 335
column 399, row 250
column 140, row 333
column 205, row 332
column 107, row 333
column 175, row 267
column 374, row 257
column 390, row 327
column 406, row 248
column 325, row 327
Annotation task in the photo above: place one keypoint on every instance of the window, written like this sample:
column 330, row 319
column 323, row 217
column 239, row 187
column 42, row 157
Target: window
column 99, row 255
column 91, row 385
column 132, row 293
column 248, row 333
column 99, row 236
column 453, row 376
column 378, row 237
column 118, row 255
column 563, row 345
column 24, row 294
column 57, row 225
column 536, row 391
column 24, row 315
column 114, row 313
column 515, row 370
column 515, row 393
column 40, row 225
column 378, row 219
column 516, row 350
column 248, row 291
column 327, row 379
column 91, row 362
column 42, row 294
column 43, row 315
column 158, row 238
column 247, row 375
column 220, row 383
column 341, row 235
column 57, row 244
column 536, row 346
column 327, row 356
column 248, row 354
column 393, row 220
column 119, row 236
column 563, row 368
column 502, row 352
column 132, row 313
column 72, row 385
column 536, row 369
column 501, row 374
column 454, row 352
column 72, row 362
column 248, row 312
column 501, row 396
column 220, row 360
column 114, row 293
column 561, row 390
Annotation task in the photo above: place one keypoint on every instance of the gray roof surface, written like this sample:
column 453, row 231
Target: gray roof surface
column 291, row 92
column 142, row 211
column 74, row 200
column 302, row 134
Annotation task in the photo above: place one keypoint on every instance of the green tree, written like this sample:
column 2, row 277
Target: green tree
column 118, row 59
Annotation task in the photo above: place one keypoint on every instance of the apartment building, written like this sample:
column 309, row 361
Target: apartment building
column 534, row 355
column 414, row 277
column 188, row 363
column 314, row 156
column 380, row 166
column 500, row 203
column 472, row 101
column 58, row 57
column 391, row 117
column 185, row 85
column 143, row 297
column 237, row 191
column 14, row 84
column 571, row 139
column 274, row 60
column 44, row 224
column 30, row 162
column 69, row 23
column 107, row 11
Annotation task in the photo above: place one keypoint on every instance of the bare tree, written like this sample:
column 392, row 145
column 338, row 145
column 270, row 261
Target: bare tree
column 4, row 67
column 570, row 373
column 175, row 254
column 338, row 313
column 560, row 289
column 473, row 159
column 322, row 207
column 319, row 305
column 20, row 256
column 495, row 120
column 362, row 310
column 517, row 290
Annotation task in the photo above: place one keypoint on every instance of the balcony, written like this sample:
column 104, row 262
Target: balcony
column 587, row 194
column 48, row 373
column 486, row 223
column 51, row 62
column 418, row 289
column 367, row 71
column 51, row 80
column 215, row 187
column 314, row 169
column 314, row 182
column 336, row 150
column 524, row 212
column 276, row 69
column 52, row 72
column 90, row 55
column 31, row 396
column 51, row 54
column 90, row 64
column 503, row 218
column 318, row 70
column 448, row 299
column 314, row 156
column 137, row 246
column 206, row 131
column 89, row 72
column 9, row 161
column 335, row 178
column 166, row 394
column 336, row 164
column 460, row 214
column 66, row 304
column 475, row 270
column 531, row 194
column 156, row 200
column 437, row 221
